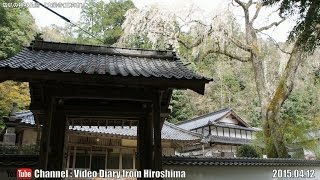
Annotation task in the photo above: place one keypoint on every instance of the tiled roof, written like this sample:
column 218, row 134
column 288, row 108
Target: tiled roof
column 212, row 118
column 26, row 160
column 168, row 132
column 209, row 161
column 24, row 117
column 171, row 131
column 229, row 140
column 103, row 60
column 203, row 120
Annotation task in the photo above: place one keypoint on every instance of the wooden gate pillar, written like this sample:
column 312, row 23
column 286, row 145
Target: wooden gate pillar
column 49, row 108
column 157, row 132
column 145, row 144
column 57, row 139
column 52, row 140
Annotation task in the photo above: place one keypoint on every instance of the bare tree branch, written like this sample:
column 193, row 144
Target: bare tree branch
column 226, row 53
column 195, row 44
column 258, row 6
column 199, row 22
column 240, row 44
column 275, row 43
column 270, row 25
column 245, row 7
column 242, row 4
column 249, row 3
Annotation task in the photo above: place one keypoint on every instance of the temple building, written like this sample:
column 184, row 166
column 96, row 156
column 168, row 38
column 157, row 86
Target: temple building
column 96, row 85
column 96, row 147
column 223, row 131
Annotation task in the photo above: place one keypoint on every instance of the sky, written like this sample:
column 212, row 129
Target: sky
column 45, row 18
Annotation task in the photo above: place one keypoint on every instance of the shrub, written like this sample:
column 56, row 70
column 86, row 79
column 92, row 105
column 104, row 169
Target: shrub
column 247, row 151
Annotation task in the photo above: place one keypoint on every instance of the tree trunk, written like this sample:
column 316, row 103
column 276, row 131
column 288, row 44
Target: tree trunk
column 271, row 105
column 275, row 144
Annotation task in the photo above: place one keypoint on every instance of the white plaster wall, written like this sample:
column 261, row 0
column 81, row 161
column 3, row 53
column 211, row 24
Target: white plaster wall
column 220, row 132
column 238, row 135
column 237, row 172
column 232, row 133
column 228, row 120
column 243, row 134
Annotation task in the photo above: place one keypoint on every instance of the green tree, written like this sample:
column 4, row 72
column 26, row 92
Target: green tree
column 13, row 92
column 181, row 107
column 57, row 34
column 16, row 28
column 307, row 24
column 247, row 151
column 304, row 37
column 103, row 20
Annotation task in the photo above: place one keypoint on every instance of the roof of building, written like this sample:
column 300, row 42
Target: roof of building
column 228, row 140
column 24, row 118
column 169, row 131
column 234, row 126
column 100, row 60
column 33, row 160
column 212, row 118
column 210, row 161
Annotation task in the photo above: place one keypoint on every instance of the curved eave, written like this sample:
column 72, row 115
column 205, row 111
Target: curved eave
column 32, row 75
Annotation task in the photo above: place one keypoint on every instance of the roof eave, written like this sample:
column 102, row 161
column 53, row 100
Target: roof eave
column 18, row 74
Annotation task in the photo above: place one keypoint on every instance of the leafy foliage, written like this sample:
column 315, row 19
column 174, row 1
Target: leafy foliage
column 308, row 22
column 138, row 41
column 300, row 115
column 103, row 20
column 181, row 107
column 247, row 151
column 13, row 92
column 16, row 29
column 56, row 33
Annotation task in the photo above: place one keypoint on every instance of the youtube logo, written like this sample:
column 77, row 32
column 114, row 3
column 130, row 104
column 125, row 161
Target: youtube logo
column 24, row 174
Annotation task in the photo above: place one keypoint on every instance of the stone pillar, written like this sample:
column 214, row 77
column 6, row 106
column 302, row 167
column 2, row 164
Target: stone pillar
column 9, row 137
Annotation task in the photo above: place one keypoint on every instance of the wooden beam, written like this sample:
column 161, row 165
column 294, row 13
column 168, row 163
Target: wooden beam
column 45, row 138
column 157, row 132
column 140, row 163
column 106, row 114
column 102, row 121
column 102, row 92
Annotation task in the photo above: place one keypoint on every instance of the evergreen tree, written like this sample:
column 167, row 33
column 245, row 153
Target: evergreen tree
column 103, row 20
column 16, row 28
